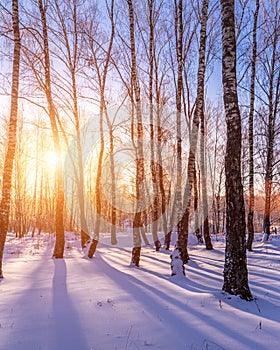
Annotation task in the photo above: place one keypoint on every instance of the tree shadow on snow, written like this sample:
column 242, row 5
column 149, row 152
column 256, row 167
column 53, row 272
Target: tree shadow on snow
column 177, row 314
column 68, row 332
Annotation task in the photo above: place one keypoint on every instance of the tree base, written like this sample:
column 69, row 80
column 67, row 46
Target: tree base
column 114, row 241
column 135, row 259
column 157, row 245
column 85, row 239
column 177, row 265
column 243, row 293
column 167, row 240
column 58, row 255
column 92, row 248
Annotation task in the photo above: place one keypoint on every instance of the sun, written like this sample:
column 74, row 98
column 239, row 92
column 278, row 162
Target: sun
column 52, row 158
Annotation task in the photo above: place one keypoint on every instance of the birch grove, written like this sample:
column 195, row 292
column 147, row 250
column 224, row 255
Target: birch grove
column 183, row 101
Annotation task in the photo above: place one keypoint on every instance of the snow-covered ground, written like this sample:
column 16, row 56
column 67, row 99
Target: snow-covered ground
column 103, row 304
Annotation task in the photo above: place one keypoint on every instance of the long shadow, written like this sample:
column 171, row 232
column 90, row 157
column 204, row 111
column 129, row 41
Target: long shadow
column 202, row 250
column 194, row 286
column 187, row 284
column 265, row 250
column 155, row 258
column 154, row 298
column 19, row 336
column 201, row 269
column 67, row 329
column 264, row 256
column 261, row 267
column 190, row 284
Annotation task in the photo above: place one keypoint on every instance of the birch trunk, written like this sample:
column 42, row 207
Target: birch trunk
column 195, row 207
column 12, row 137
column 59, row 208
column 201, row 115
column 179, row 255
column 250, row 219
column 72, row 65
column 271, row 129
column 137, row 221
column 235, row 268
column 183, row 225
column 102, row 79
column 154, row 169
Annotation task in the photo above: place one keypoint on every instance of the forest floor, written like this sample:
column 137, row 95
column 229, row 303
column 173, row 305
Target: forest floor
column 104, row 304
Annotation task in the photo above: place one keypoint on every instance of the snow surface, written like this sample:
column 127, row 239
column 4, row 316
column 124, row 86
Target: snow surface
column 103, row 304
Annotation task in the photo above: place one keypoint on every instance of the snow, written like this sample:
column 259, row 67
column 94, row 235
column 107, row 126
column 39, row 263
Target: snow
column 77, row 303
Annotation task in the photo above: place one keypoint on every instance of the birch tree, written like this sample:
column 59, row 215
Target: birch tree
column 155, row 173
column 271, row 69
column 202, row 121
column 183, row 225
column 136, row 99
column 102, row 73
column 69, row 42
column 59, row 211
column 180, row 255
column 250, row 219
column 235, row 268
column 12, row 135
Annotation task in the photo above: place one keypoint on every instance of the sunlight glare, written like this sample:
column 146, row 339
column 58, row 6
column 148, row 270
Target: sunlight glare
column 52, row 158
